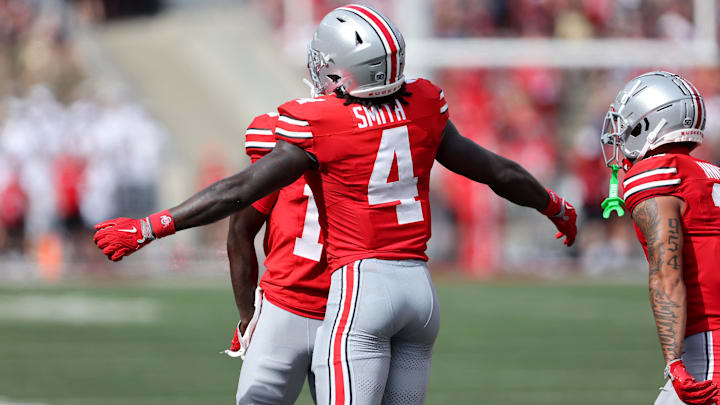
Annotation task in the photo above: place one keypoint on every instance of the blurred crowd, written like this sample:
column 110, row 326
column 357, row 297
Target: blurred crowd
column 563, row 18
column 579, row 19
column 549, row 120
column 65, row 143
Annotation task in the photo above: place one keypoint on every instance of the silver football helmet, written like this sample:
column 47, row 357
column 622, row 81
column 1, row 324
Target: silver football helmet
column 656, row 108
column 357, row 49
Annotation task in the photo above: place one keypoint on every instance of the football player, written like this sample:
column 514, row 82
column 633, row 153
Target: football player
column 366, row 146
column 280, row 316
column 674, row 199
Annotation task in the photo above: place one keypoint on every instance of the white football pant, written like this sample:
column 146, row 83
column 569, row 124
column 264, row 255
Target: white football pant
column 278, row 358
column 376, row 341
column 699, row 351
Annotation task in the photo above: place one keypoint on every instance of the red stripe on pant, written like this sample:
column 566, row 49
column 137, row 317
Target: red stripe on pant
column 714, row 352
column 337, row 346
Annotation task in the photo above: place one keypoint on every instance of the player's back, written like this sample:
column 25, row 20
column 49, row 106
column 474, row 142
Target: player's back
column 697, row 183
column 374, row 169
column 296, row 277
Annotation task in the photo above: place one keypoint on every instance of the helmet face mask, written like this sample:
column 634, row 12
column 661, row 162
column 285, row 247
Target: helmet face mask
column 316, row 63
column 613, row 137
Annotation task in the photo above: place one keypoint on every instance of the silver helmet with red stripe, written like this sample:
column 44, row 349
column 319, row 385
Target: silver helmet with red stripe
column 653, row 109
column 357, row 50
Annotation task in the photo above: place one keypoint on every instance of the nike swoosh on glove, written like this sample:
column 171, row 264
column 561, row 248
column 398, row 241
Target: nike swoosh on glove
column 687, row 388
column 121, row 237
column 564, row 216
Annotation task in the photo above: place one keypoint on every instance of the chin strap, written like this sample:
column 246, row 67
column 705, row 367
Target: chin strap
column 613, row 202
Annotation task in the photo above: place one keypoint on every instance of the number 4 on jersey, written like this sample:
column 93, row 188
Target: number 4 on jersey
column 395, row 143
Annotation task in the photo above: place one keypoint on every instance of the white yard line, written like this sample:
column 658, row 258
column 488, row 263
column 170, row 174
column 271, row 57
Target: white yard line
column 6, row 401
column 77, row 309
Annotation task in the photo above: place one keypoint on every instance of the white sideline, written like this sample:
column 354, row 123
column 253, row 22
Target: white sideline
column 7, row 401
column 77, row 309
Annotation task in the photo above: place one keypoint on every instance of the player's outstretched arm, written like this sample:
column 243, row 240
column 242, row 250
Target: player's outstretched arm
column 506, row 178
column 279, row 168
column 244, row 226
column 659, row 220
column 121, row 237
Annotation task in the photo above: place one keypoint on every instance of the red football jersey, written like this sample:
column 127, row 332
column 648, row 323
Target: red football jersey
column 374, row 170
column 296, row 277
column 698, row 184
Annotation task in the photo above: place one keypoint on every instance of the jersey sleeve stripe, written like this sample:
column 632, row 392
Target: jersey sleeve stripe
column 260, row 145
column 442, row 95
column 293, row 134
column 653, row 172
column 258, row 131
column 443, row 109
column 650, row 185
column 293, row 121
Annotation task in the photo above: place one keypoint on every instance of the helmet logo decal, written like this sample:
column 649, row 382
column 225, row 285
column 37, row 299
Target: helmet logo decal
column 687, row 122
column 379, row 76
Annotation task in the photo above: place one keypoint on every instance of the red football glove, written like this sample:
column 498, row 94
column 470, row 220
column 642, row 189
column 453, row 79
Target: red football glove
column 687, row 388
column 563, row 215
column 121, row 237
column 235, row 346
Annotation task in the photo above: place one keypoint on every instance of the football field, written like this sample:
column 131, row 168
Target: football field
column 500, row 343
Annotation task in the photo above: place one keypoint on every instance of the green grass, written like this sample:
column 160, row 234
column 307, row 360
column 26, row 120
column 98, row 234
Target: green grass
column 499, row 344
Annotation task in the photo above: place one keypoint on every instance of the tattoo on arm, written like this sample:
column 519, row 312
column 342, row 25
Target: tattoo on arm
column 646, row 217
column 673, row 242
column 667, row 292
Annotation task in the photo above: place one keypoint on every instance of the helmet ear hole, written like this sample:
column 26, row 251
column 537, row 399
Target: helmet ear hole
column 334, row 78
column 637, row 130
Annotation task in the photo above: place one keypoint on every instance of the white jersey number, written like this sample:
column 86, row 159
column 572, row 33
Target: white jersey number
column 395, row 143
column 307, row 245
column 716, row 194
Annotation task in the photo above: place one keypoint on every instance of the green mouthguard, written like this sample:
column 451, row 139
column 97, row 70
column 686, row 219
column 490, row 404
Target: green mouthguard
column 613, row 202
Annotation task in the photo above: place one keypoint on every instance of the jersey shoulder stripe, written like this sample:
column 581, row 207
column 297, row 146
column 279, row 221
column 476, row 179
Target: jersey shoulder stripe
column 259, row 136
column 293, row 121
column 293, row 134
column 297, row 117
column 259, row 145
column 258, row 131
column 648, row 173
column 654, row 176
column 651, row 185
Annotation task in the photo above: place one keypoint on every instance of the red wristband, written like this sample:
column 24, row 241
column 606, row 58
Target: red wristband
column 162, row 224
column 554, row 205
